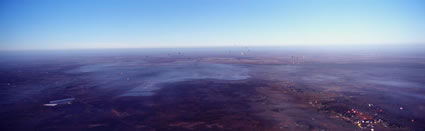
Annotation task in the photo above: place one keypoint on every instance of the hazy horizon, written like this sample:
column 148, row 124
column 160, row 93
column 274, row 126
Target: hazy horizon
column 51, row 25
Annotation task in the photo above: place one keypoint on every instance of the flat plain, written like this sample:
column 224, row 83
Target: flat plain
column 212, row 89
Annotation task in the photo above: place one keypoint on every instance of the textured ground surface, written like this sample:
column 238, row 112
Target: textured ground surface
column 213, row 90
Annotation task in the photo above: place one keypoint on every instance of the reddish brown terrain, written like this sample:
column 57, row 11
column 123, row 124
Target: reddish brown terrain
column 232, row 89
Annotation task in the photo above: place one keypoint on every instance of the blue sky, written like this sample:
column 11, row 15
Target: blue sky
column 79, row 24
